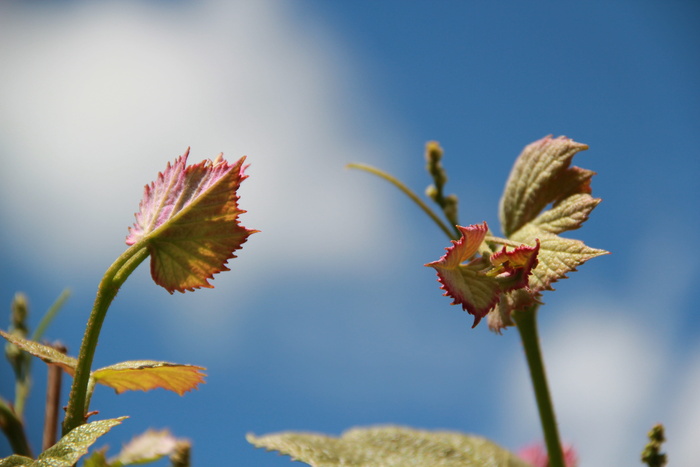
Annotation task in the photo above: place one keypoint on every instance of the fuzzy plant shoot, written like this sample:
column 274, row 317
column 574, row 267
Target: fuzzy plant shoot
column 188, row 223
column 500, row 279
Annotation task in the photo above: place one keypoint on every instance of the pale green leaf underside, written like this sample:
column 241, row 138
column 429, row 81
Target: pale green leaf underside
column 569, row 214
column 389, row 446
column 68, row 449
column 541, row 175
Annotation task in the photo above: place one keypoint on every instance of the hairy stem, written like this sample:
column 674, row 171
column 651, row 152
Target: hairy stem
column 526, row 322
column 414, row 197
column 113, row 279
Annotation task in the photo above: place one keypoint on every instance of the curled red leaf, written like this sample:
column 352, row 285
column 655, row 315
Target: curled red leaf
column 478, row 284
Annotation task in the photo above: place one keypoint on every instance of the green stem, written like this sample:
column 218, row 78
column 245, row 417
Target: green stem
column 414, row 197
column 113, row 279
column 526, row 322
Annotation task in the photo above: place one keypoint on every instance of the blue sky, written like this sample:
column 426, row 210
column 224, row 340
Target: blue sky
column 328, row 318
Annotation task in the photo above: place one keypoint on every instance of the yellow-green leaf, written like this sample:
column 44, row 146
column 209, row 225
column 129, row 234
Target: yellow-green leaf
column 144, row 375
column 44, row 352
column 16, row 461
column 389, row 446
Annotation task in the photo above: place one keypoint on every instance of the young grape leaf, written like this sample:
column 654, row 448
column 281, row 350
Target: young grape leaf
column 542, row 175
column 68, row 449
column 189, row 217
column 389, row 446
column 145, row 375
column 499, row 283
column 145, row 448
column 44, row 352
column 478, row 284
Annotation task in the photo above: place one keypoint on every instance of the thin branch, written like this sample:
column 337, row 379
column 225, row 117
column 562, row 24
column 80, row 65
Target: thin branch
column 408, row 192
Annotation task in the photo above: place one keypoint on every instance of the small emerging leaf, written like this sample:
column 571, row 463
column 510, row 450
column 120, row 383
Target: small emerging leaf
column 147, row 447
column 96, row 459
column 44, row 352
column 145, row 375
column 389, row 446
column 189, row 216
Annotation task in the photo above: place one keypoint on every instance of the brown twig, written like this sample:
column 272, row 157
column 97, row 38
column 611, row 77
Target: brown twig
column 53, row 397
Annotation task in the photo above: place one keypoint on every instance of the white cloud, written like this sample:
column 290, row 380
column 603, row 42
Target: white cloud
column 683, row 424
column 96, row 101
column 98, row 97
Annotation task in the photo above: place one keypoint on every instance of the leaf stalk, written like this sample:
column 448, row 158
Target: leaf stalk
column 113, row 279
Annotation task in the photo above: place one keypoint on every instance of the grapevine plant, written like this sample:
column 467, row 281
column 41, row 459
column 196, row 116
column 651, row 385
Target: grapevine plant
column 188, row 223
column 497, row 278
